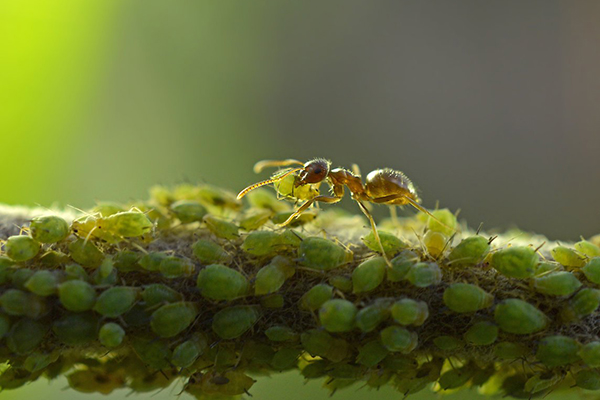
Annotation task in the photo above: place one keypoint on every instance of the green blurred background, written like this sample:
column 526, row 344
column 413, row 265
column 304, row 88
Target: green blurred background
column 490, row 107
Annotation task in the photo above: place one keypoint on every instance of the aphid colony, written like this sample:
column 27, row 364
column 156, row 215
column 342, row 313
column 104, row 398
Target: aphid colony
column 194, row 287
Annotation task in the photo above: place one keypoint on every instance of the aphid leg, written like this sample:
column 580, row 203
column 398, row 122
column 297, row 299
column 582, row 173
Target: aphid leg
column 308, row 203
column 259, row 166
column 375, row 233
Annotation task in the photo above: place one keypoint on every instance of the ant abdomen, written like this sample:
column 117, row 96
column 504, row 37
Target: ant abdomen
column 388, row 186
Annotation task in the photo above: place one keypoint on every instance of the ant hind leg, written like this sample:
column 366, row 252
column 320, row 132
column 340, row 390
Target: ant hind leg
column 374, row 228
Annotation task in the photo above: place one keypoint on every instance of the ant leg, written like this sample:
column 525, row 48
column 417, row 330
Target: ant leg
column 374, row 228
column 308, row 203
column 394, row 215
column 259, row 166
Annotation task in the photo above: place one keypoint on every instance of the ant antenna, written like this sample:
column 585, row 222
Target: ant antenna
column 268, row 181
column 423, row 210
column 259, row 166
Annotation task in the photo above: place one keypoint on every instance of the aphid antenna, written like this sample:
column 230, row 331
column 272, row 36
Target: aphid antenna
column 89, row 235
column 479, row 228
column 266, row 182
column 87, row 214
column 540, row 246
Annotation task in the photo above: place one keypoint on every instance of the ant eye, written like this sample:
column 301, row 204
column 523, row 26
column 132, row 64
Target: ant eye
column 318, row 171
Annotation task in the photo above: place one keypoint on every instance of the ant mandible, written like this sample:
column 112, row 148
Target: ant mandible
column 382, row 186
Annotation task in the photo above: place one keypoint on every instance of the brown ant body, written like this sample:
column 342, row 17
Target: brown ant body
column 382, row 186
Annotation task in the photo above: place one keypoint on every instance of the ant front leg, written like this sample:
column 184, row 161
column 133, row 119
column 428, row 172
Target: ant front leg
column 374, row 228
column 308, row 203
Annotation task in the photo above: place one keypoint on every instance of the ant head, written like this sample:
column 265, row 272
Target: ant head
column 314, row 171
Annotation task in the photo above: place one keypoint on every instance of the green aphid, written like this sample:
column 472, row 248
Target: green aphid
column 391, row 244
column 218, row 282
column 481, row 333
column 456, row 378
column 4, row 325
column 161, row 195
column 52, row 259
column 6, row 269
column 318, row 343
column 588, row 379
column 188, row 211
column 436, row 243
column 19, row 303
column 186, row 353
column 447, row 218
column 111, row 334
column 542, row 382
column 591, row 270
column 265, row 199
column 21, row 248
column 568, row 257
column 371, row 354
column 467, row 298
column 37, row 361
column 345, row 371
column 49, row 229
column 172, row 319
column 209, row 252
column 583, row 303
column 469, row 252
column 85, row 253
column 257, row 353
column 368, row 318
column 107, row 208
column 126, row 261
column 272, row 276
column 515, row 262
column 518, row 316
column 26, row 335
column 368, row 275
column 316, row 296
column 280, row 333
column 409, row 312
column 233, row 322
column 154, row 353
column 157, row 293
column 337, row 315
column 588, row 249
column 175, row 267
column 152, row 260
column 221, row 228
column 128, row 224
column 304, row 218
column 272, row 301
column 285, row 358
column 401, row 264
column 76, row 295
column 116, row 301
column 590, row 354
column 424, row 274
column 20, row 276
column 291, row 239
column 215, row 196
column 342, row 283
column 76, row 329
column 315, row 369
column 560, row 283
column 398, row 339
column 546, row 267
column 322, row 254
column 42, row 283
column 138, row 316
column 75, row 272
column 555, row 351
column 448, row 343
column 262, row 243
column 105, row 275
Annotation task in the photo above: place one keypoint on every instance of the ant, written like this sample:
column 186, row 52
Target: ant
column 382, row 186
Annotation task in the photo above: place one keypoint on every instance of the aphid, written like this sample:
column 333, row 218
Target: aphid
column 126, row 261
column 515, row 261
column 368, row 318
column 115, row 301
column 391, row 244
column 583, row 303
column 49, row 229
column 21, row 276
column 113, row 228
column 86, row 253
column 186, row 353
column 157, row 293
column 233, row 322
column 4, row 325
column 436, row 243
column 482, row 333
column 588, row 249
column 172, row 319
column 105, row 274
column 318, row 343
column 555, row 351
column 382, row 186
column 542, row 382
column 371, row 354
column 52, row 259
column 154, row 353
column 175, row 267
column 588, row 379
column 151, row 261
column 456, row 378
column 95, row 381
column 42, row 283
column 342, row 283
column 368, row 275
column 272, row 301
column 401, row 264
column 26, row 335
column 18, row 302
column 448, row 343
column 21, row 248
column 337, row 315
column 424, row 274
column 315, row 369
column 469, row 252
column 37, row 361
column 592, row 270
column 568, row 257
column 111, row 334
column 285, row 358
column 467, row 298
column 322, row 254
column 280, row 333
column 272, row 276
column 510, row 350
column 76, row 329
column 518, row 316
column 264, row 199
column 590, row 354
column 316, row 296
column 560, row 283
column 188, row 211
column 397, row 339
column 221, row 228
column 77, row 295
column 255, row 218
column 409, row 312
column 218, row 282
